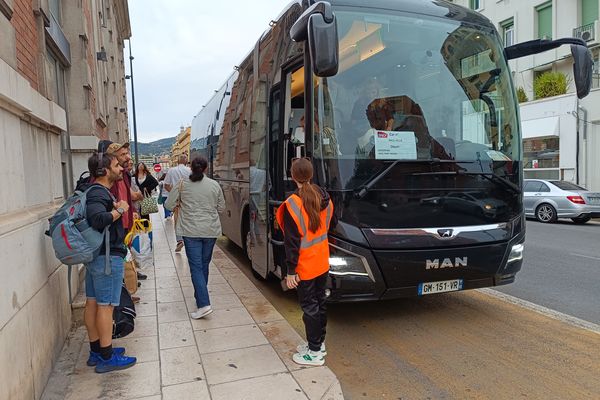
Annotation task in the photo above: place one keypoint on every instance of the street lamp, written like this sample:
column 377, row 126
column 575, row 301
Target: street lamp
column 130, row 77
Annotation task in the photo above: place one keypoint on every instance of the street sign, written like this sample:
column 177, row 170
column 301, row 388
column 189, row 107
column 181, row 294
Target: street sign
column 157, row 168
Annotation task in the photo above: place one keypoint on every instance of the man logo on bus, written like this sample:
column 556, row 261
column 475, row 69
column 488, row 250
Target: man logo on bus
column 445, row 233
column 446, row 263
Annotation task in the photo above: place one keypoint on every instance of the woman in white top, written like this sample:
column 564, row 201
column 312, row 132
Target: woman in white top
column 200, row 201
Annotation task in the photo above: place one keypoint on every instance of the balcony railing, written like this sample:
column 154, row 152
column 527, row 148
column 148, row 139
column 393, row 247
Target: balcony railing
column 586, row 32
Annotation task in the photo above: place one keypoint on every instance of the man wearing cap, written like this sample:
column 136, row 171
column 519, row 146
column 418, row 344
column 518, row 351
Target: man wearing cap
column 122, row 189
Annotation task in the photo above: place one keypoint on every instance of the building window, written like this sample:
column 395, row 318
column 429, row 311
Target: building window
column 55, row 79
column 589, row 11
column 475, row 4
column 508, row 32
column 544, row 21
column 87, row 97
column 541, row 157
column 54, row 6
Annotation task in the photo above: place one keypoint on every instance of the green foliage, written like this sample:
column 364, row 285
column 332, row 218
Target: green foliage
column 550, row 84
column 521, row 95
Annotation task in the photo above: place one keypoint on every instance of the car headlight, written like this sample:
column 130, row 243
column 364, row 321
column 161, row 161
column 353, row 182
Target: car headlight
column 343, row 262
column 516, row 253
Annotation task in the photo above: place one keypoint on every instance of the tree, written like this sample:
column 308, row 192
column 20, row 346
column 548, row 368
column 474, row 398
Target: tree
column 550, row 84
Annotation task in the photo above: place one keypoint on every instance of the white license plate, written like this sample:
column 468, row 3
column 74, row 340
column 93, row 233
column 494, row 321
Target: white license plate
column 440, row 287
column 594, row 200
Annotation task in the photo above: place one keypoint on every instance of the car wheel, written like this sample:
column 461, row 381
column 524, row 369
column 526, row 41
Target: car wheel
column 581, row 220
column 545, row 213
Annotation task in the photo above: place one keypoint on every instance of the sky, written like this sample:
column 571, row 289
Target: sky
column 185, row 49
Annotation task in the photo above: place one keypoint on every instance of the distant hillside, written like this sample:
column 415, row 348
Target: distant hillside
column 155, row 148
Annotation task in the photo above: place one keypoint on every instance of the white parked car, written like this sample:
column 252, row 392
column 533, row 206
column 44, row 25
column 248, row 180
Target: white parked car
column 548, row 200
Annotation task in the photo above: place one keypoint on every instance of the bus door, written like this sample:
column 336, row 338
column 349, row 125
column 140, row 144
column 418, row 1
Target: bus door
column 276, row 145
column 286, row 139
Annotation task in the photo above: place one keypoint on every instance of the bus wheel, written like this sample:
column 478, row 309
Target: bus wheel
column 248, row 244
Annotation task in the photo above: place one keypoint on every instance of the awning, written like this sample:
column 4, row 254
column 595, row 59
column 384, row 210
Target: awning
column 540, row 127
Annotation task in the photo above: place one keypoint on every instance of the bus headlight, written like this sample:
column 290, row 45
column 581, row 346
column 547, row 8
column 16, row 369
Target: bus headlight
column 516, row 253
column 343, row 262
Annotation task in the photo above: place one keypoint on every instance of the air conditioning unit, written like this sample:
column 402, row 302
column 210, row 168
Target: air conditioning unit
column 587, row 36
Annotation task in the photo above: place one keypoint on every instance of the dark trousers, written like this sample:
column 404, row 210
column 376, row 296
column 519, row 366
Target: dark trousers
column 311, row 295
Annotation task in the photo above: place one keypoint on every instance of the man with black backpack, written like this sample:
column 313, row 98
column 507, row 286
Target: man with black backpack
column 103, row 280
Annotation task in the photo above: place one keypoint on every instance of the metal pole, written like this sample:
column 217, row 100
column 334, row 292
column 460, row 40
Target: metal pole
column 135, row 141
column 577, row 141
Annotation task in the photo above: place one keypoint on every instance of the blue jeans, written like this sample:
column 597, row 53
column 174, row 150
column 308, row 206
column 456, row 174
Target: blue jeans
column 199, row 253
column 167, row 212
column 105, row 289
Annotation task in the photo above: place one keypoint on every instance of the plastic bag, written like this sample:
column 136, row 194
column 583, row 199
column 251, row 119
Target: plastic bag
column 139, row 241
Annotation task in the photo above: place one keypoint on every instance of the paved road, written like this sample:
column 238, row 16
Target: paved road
column 464, row 345
column 561, row 269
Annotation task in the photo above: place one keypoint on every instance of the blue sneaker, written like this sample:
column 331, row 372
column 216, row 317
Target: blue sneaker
column 95, row 358
column 115, row 363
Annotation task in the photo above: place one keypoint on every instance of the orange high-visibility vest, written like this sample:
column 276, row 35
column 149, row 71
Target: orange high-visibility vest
column 313, row 259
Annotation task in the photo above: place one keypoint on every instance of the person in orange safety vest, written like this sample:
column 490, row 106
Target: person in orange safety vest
column 305, row 218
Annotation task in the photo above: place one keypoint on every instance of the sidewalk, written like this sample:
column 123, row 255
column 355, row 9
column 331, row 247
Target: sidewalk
column 241, row 351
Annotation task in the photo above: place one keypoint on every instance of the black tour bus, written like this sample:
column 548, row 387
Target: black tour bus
column 415, row 135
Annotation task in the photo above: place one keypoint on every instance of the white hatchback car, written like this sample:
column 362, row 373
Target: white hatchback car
column 548, row 200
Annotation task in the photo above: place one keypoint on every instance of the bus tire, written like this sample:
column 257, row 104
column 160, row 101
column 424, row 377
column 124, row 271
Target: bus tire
column 245, row 234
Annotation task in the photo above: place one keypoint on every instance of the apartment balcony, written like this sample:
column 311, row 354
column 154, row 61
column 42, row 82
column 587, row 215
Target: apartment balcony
column 588, row 32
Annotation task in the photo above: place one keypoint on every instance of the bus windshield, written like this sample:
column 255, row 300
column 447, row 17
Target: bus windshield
column 416, row 88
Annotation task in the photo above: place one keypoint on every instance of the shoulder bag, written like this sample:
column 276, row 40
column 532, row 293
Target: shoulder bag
column 148, row 205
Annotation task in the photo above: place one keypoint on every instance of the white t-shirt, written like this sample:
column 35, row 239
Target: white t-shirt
column 175, row 174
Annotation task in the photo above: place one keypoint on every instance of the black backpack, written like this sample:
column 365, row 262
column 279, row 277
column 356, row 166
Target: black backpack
column 124, row 315
column 84, row 181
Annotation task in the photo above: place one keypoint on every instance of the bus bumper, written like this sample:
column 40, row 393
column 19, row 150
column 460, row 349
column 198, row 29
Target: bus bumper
column 356, row 274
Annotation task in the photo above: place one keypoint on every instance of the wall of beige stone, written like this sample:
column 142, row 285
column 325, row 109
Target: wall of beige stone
column 35, row 315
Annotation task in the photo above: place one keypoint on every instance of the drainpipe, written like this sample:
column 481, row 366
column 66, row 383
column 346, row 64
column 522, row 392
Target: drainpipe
column 583, row 118
column 577, row 148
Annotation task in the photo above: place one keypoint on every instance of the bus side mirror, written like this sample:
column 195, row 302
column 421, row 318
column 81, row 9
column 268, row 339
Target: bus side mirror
column 323, row 46
column 582, row 69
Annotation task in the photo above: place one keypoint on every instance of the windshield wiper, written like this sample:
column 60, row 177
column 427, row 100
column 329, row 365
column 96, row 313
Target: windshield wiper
column 490, row 176
column 362, row 190
column 502, row 181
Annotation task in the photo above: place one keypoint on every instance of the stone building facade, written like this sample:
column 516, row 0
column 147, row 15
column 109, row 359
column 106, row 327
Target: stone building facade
column 58, row 97
column 181, row 145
